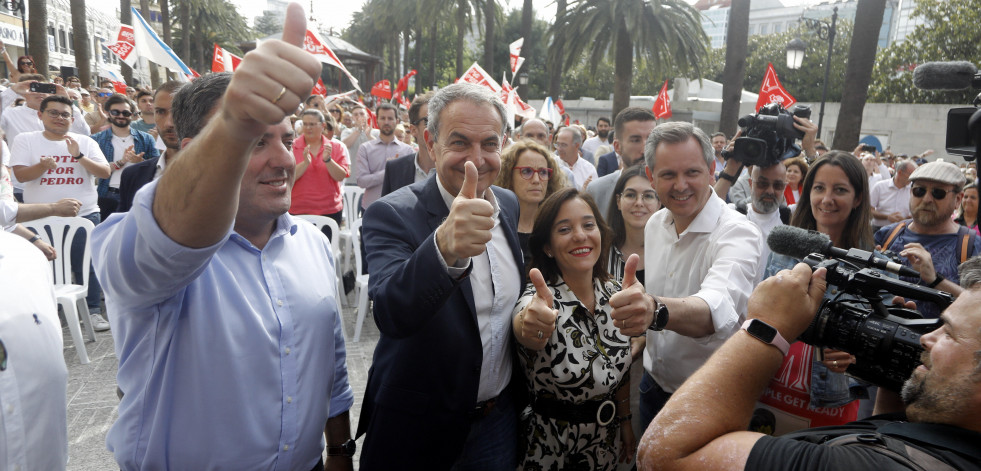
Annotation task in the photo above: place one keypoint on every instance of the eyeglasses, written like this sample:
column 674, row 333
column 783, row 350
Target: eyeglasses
column 123, row 113
column 27, row 63
column 309, row 125
column 104, row 94
column 765, row 185
column 631, row 196
column 55, row 114
column 426, row 121
column 937, row 193
column 544, row 173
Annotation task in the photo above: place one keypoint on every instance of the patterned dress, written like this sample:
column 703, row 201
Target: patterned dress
column 585, row 359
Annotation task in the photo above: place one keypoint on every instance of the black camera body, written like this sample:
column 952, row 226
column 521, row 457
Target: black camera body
column 768, row 136
column 964, row 131
column 884, row 340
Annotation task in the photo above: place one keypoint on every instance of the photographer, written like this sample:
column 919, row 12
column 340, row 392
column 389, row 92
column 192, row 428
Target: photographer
column 715, row 404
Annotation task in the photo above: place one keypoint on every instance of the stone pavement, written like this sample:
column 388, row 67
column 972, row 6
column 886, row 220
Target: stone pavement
column 92, row 401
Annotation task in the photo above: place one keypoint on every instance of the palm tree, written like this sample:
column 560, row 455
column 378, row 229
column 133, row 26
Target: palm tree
column 668, row 32
column 126, row 18
column 466, row 10
column 165, row 20
column 858, row 73
column 184, row 10
column 210, row 22
column 154, row 71
column 554, row 63
column 37, row 36
column 490, row 15
column 732, row 77
column 81, row 39
column 527, row 13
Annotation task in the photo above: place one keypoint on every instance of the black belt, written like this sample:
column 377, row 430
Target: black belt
column 112, row 190
column 602, row 412
column 483, row 408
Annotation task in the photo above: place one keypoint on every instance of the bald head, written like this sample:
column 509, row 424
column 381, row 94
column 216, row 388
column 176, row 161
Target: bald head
column 536, row 130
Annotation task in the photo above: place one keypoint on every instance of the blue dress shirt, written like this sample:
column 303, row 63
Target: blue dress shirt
column 230, row 357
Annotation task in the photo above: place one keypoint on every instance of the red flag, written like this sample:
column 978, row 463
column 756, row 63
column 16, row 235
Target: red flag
column 124, row 45
column 224, row 61
column 119, row 87
column 194, row 74
column 319, row 88
column 662, row 105
column 403, row 83
column 404, row 102
column 313, row 44
column 772, row 92
column 560, row 106
column 382, row 89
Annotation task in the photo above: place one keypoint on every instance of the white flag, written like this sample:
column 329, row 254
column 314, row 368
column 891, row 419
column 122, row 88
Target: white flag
column 150, row 46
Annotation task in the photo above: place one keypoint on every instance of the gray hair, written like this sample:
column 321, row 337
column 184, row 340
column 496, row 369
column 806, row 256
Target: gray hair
column 194, row 102
column 463, row 91
column 970, row 272
column 906, row 165
column 529, row 121
column 576, row 134
column 313, row 112
column 677, row 132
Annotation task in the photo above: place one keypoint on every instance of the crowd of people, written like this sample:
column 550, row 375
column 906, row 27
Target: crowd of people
column 518, row 272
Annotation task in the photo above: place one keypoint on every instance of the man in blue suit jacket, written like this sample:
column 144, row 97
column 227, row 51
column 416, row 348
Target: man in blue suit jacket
column 607, row 164
column 444, row 260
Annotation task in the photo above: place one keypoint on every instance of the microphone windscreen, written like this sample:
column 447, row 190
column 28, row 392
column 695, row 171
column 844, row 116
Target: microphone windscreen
column 944, row 75
column 796, row 242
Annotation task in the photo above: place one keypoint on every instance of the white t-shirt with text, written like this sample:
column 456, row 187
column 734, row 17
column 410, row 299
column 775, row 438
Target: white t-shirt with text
column 69, row 180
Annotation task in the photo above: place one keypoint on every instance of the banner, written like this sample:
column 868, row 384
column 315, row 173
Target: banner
column 515, row 53
column 319, row 88
column 313, row 44
column 125, row 45
column 403, row 84
column 224, row 61
column 476, row 74
column 150, row 46
column 772, row 92
column 382, row 89
column 662, row 105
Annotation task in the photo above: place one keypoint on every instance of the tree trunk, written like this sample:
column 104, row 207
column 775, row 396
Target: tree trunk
column 555, row 69
column 489, row 9
column 37, row 34
column 126, row 18
column 858, row 72
column 80, row 33
column 735, row 69
column 527, row 14
column 418, row 61
column 154, row 71
column 623, row 68
column 461, row 28
column 184, row 10
column 432, row 53
column 165, row 22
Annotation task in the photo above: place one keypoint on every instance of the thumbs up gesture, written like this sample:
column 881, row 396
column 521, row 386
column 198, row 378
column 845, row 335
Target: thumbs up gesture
column 467, row 230
column 271, row 81
column 633, row 308
column 533, row 326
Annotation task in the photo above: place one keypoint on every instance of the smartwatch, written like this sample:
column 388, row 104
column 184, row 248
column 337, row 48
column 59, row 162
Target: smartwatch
column 766, row 333
column 725, row 176
column 347, row 449
column 936, row 281
column 660, row 316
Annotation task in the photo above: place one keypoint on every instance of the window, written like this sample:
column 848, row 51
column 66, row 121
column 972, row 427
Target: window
column 763, row 28
column 71, row 43
column 776, row 27
column 62, row 41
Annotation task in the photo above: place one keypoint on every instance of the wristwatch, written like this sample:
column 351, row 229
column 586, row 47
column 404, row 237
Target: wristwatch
column 347, row 449
column 766, row 333
column 725, row 176
column 660, row 316
column 79, row 156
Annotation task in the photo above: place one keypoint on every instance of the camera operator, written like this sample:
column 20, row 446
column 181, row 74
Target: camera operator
column 941, row 427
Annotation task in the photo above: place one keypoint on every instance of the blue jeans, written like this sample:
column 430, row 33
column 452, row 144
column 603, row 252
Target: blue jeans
column 493, row 440
column 94, row 296
column 652, row 400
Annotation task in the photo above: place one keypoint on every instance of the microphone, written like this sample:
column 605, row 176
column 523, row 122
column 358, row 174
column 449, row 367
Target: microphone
column 799, row 243
column 946, row 76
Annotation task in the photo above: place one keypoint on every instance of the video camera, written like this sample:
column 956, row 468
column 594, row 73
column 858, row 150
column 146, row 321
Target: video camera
column 884, row 340
column 768, row 136
column 963, row 123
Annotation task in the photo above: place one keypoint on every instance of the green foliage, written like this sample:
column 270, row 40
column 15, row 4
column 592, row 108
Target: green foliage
column 534, row 51
column 268, row 23
column 212, row 22
column 805, row 84
column 583, row 81
column 951, row 32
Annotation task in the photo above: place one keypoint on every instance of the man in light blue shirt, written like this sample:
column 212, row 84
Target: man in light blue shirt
column 231, row 350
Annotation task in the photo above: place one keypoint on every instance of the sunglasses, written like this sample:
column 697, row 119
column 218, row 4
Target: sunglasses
column 544, row 173
column 125, row 114
column 27, row 63
column 937, row 193
column 765, row 185
column 104, row 94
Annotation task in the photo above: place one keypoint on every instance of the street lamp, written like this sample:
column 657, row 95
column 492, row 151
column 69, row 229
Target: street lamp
column 796, row 48
column 523, row 78
column 18, row 6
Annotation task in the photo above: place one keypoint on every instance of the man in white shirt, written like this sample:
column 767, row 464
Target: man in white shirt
column 767, row 210
column 890, row 198
column 708, row 257
column 54, row 164
column 568, row 142
column 603, row 127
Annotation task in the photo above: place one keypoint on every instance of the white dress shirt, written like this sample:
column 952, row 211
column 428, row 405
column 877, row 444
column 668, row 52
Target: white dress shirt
column 766, row 223
column 716, row 259
column 495, row 293
column 885, row 197
column 582, row 170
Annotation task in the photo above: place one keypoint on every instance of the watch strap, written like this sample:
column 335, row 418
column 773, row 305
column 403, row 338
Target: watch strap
column 725, row 176
column 777, row 340
column 346, row 449
column 936, row 281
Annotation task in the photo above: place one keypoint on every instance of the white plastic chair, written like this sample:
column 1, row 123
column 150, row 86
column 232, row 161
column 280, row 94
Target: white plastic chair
column 352, row 212
column 60, row 232
column 335, row 235
column 361, row 281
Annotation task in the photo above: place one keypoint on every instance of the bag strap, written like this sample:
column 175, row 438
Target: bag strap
column 895, row 449
column 965, row 235
column 892, row 235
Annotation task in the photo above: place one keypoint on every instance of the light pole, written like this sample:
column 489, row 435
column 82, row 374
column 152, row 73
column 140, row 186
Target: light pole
column 18, row 6
column 796, row 49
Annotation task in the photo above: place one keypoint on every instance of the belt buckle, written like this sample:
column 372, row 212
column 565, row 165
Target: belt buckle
column 612, row 414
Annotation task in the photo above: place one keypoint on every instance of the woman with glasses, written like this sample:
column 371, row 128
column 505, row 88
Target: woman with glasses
column 529, row 171
column 811, row 389
column 578, row 366
column 634, row 202
column 322, row 164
